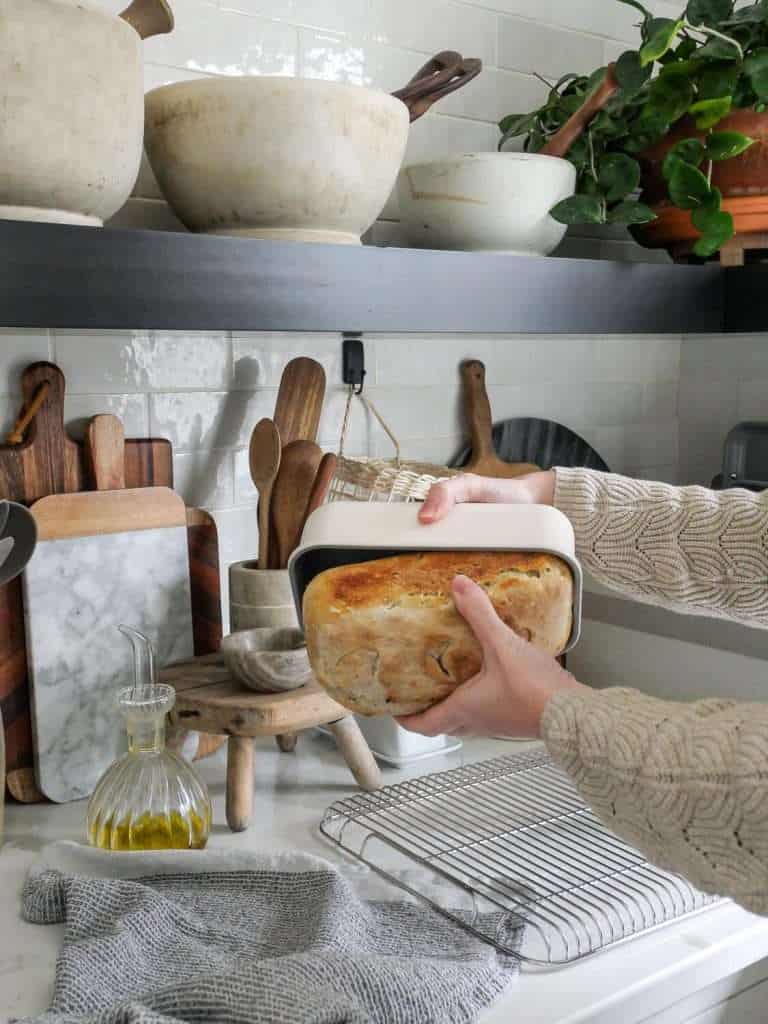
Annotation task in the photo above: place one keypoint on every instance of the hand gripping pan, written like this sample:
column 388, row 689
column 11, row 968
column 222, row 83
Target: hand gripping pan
column 345, row 532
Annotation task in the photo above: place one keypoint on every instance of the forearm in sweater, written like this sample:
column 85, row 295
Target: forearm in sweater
column 686, row 784
column 686, row 548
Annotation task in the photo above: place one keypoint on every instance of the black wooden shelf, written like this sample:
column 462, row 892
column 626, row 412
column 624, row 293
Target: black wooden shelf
column 73, row 277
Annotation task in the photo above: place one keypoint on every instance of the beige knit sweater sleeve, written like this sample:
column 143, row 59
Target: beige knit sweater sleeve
column 687, row 784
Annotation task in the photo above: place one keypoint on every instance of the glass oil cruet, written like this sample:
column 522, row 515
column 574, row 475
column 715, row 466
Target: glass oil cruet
column 150, row 798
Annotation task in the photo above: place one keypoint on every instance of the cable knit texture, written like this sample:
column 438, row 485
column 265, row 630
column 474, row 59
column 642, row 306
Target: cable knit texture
column 687, row 784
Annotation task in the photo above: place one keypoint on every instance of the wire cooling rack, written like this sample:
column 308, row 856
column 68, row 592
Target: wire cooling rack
column 510, row 843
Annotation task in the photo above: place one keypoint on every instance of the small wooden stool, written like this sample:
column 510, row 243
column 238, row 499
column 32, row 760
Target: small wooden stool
column 209, row 700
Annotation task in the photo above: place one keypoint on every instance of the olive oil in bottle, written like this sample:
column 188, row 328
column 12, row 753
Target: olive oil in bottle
column 150, row 798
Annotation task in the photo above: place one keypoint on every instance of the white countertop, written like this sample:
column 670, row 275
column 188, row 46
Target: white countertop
column 715, row 949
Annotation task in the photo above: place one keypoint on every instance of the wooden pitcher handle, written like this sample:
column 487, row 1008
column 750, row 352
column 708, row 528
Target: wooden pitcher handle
column 446, row 72
column 149, row 17
column 564, row 138
column 478, row 407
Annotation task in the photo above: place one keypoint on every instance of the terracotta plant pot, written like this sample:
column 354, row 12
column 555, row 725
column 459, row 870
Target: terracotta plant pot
column 742, row 180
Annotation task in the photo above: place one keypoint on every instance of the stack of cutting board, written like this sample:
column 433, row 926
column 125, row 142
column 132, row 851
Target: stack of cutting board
column 47, row 463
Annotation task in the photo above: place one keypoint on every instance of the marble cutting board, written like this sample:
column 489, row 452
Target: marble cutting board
column 76, row 592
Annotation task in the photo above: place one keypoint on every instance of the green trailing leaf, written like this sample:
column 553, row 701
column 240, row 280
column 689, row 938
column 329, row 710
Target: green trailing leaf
column 661, row 34
column 753, row 15
column 618, row 176
column 688, row 151
column 647, row 16
column 685, row 49
column 692, row 151
column 708, row 12
column 580, row 210
column 688, row 188
column 716, row 49
column 670, row 97
column 724, row 145
column 744, row 95
column 647, row 131
column 716, row 80
column 630, row 73
column 630, row 212
column 708, row 113
column 756, row 70
column 716, row 229
column 517, row 124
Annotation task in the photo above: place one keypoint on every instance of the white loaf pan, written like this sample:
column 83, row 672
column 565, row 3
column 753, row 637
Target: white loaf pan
column 344, row 532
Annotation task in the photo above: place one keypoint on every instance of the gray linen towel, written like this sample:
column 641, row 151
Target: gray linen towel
column 288, row 940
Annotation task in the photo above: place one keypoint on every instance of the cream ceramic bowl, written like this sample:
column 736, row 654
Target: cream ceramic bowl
column 276, row 158
column 490, row 201
column 71, row 93
column 267, row 660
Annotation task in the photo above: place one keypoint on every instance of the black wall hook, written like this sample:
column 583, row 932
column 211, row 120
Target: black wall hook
column 353, row 361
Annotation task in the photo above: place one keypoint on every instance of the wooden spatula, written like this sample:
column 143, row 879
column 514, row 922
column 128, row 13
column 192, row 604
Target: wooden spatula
column 484, row 459
column 300, row 400
column 298, row 469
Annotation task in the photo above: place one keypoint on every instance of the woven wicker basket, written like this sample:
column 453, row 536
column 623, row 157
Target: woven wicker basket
column 382, row 479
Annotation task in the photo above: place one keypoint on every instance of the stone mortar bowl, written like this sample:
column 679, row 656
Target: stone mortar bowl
column 266, row 659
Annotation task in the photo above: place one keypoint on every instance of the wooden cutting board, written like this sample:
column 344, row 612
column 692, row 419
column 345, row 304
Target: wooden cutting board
column 106, row 456
column 48, row 462
column 483, row 459
column 103, row 559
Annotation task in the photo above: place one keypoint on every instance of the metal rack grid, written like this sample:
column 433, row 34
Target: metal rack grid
column 522, row 861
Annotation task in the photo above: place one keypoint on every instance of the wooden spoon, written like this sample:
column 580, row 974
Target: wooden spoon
column 149, row 17
column 325, row 472
column 300, row 400
column 484, row 459
column 574, row 127
column 290, row 499
column 105, row 444
column 264, row 456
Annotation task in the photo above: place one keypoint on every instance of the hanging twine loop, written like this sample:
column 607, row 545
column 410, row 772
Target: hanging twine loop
column 380, row 479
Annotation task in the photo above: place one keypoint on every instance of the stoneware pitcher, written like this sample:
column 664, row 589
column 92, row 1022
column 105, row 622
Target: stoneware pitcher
column 72, row 96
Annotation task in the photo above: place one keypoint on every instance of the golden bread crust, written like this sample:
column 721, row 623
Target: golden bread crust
column 384, row 637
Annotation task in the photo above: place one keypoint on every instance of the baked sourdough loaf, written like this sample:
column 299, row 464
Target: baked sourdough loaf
column 384, row 637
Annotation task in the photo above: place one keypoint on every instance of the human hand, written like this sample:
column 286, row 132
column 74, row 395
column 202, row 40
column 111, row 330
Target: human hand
column 532, row 489
column 508, row 696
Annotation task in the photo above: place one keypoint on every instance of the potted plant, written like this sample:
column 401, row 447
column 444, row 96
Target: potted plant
column 687, row 128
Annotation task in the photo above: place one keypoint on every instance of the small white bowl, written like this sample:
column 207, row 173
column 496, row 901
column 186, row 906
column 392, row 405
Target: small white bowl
column 267, row 660
column 497, row 202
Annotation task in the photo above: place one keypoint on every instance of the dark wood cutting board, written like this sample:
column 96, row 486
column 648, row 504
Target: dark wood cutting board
column 48, row 462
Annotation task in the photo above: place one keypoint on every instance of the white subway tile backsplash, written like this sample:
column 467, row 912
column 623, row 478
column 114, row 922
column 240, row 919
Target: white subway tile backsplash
column 18, row 348
column 245, row 492
column 611, row 402
column 96, row 363
column 185, row 360
column 552, row 52
column 753, row 399
column 208, row 419
column 331, row 57
column 348, row 16
column 260, row 358
column 225, row 43
column 204, row 478
column 132, row 410
column 434, row 25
